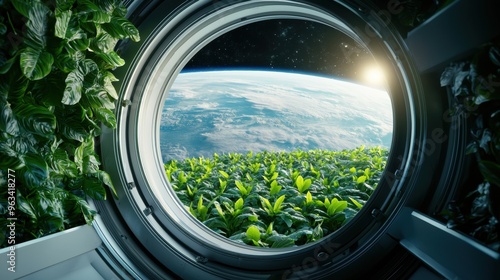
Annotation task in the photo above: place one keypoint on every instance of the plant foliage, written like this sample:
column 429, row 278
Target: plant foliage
column 475, row 86
column 56, row 62
column 277, row 199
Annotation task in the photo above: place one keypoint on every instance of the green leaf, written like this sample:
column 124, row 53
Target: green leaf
column 361, row 179
column 36, row 119
column 5, row 65
column 94, row 188
column 121, row 28
column 336, row 206
column 239, row 204
column 73, row 128
column 74, row 85
column 277, row 204
column 99, row 17
column 35, row 171
column 97, row 97
column 64, row 5
column 299, row 182
column 8, row 122
column 83, row 207
column 85, row 157
column 104, row 177
column 275, row 188
column 219, row 209
column 112, row 59
column 108, row 86
column 266, row 205
column 491, row 171
column 36, row 34
column 243, row 190
column 287, row 218
column 269, row 229
column 359, row 205
column 103, row 42
column 224, row 174
column 22, row 6
column 309, row 198
column 107, row 117
column 25, row 206
column 280, row 241
column 253, row 233
column 62, row 23
column 36, row 64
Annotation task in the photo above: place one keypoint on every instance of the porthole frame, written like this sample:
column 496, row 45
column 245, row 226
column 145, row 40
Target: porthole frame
column 164, row 229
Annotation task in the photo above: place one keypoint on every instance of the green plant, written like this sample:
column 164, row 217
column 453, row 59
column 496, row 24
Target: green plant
column 475, row 87
column 277, row 199
column 56, row 62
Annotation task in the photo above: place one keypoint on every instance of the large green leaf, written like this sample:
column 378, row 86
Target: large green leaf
column 64, row 5
column 106, row 116
column 6, row 64
column 280, row 241
column 25, row 206
column 253, row 233
column 82, row 207
column 103, row 43
column 97, row 97
column 73, row 129
column 37, row 26
column 35, row 171
column 121, row 28
column 74, row 84
column 490, row 171
column 61, row 163
column 36, row 119
column 94, row 188
column 106, row 180
column 36, row 64
column 49, row 91
column 62, row 24
column 112, row 59
column 108, row 78
column 88, row 5
column 22, row 6
column 99, row 17
column 8, row 122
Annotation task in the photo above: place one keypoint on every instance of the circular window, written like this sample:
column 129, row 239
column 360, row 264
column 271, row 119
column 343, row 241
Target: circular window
column 156, row 118
column 274, row 136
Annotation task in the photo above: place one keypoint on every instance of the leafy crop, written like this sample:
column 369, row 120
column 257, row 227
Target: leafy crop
column 56, row 90
column 277, row 199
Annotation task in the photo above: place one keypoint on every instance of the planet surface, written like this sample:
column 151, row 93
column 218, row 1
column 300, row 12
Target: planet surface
column 239, row 111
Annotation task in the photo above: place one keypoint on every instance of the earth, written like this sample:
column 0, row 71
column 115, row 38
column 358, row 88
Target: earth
column 240, row 111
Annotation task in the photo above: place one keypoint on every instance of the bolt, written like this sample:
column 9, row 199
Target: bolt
column 201, row 259
column 126, row 103
column 397, row 174
column 376, row 213
column 322, row 256
column 148, row 211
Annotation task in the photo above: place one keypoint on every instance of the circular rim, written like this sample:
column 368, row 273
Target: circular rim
column 152, row 210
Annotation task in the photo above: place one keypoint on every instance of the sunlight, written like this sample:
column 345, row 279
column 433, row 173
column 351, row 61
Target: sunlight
column 374, row 76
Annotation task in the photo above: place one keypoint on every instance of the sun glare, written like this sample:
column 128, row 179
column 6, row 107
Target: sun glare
column 374, row 76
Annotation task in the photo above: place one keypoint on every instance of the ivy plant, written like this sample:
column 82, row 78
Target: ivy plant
column 56, row 90
column 277, row 199
column 475, row 88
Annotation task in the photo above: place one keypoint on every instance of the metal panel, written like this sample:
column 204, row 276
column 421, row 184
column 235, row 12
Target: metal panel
column 453, row 32
column 38, row 254
column 450, row 253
